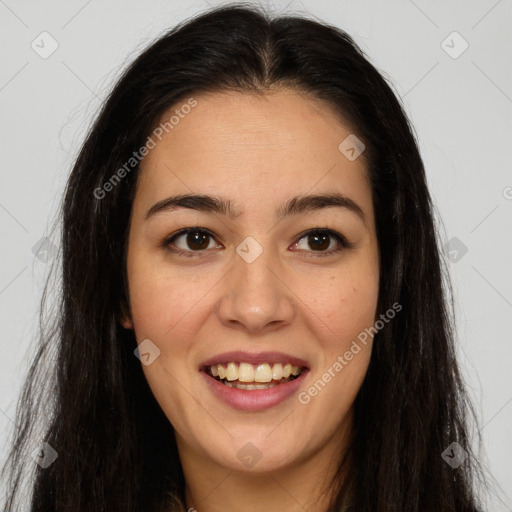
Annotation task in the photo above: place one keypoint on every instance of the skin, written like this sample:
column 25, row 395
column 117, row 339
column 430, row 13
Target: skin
column 258, row 151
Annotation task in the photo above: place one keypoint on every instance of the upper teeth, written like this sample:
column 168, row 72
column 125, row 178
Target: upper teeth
column 246, row 372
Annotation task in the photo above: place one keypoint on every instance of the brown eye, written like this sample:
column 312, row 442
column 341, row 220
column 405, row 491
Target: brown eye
column 321, row 241
column 191, row 240
column 197, row 241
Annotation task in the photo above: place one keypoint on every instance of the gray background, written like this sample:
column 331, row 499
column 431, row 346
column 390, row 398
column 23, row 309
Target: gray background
column 460, row 105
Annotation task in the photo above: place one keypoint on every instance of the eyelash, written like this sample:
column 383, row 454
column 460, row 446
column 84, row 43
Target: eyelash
column 343, row 242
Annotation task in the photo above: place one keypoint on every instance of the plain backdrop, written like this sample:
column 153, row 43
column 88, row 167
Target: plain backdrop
column 450, row 62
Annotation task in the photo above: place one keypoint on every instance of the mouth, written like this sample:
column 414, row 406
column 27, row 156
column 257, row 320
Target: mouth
column 254, row 382
column 250, row 377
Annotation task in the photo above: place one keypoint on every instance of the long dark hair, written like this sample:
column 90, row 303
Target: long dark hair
column 116, row 449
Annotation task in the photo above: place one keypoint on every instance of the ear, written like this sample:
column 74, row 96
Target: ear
column 125, row 317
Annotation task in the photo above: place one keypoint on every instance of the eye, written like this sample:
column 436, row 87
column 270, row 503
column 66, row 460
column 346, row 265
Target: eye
column 322, row 241
column 190, row 240
column 194, row 241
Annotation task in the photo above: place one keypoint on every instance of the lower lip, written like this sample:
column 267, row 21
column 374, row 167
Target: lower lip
column 253, row 400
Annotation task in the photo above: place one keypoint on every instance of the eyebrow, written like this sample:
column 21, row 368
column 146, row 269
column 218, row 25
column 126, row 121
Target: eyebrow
column 294, row 206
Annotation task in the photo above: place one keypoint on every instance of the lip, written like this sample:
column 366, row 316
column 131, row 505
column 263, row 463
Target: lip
column 260, row 399
column 254, row 358
column 255, row 400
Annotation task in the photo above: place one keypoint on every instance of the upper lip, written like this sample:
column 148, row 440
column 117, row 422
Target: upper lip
column 254, row 358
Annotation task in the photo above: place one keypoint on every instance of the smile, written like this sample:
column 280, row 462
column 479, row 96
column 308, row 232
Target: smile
column 254, row 382
column 252, row 377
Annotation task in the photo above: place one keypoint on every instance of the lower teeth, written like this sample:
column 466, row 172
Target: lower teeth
column 249, row 387
column 255, row 385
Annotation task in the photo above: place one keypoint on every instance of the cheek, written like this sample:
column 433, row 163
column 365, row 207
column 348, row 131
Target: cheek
column 168, row 309
column 340, row 319
column 163, row 299
column 344, row 307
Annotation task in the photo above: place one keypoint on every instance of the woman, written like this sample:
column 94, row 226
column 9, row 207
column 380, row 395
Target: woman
column 253, row 314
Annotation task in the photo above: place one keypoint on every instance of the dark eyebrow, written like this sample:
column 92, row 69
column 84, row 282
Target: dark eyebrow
column 294, row 206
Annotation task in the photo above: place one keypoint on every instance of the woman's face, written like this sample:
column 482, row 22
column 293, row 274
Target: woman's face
column 253, row 284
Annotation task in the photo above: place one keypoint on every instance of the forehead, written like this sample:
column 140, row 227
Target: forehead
column 257, row 147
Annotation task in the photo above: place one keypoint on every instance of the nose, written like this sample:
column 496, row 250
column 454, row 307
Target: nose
column 256, row 297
